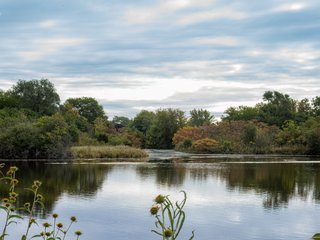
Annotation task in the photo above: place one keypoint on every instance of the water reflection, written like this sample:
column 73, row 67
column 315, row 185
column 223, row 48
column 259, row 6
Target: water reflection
column 277, row 182
column 170, row 175
column 74, row 179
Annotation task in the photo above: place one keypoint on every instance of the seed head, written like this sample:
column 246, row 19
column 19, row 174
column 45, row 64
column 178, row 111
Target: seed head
column 37, row 183
column 46, row 225
column 73, row 219
column 14, row 181
column 159, row 199
column 154, row 210
column 78, row 233
column 59, row 225
column 27, row 205
column 167, row 233
column 13, row 169
column 55, row 215
column 39, row 197
column 13, row 194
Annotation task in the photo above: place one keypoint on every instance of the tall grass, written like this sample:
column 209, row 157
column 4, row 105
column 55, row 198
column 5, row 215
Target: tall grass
column 107, row 152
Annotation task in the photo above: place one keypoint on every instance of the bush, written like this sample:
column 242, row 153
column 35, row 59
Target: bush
column 206, row 145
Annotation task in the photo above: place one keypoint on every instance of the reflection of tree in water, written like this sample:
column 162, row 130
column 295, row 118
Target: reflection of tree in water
column 280, row 182
column 200, row 173
column 171, row 174
column 74, row 179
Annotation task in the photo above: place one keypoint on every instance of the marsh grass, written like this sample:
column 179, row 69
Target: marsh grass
column 107, row 152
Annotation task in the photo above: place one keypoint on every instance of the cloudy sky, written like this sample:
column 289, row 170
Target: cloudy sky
column 147, row 54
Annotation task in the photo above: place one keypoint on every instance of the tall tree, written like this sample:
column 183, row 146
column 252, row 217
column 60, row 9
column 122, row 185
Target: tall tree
column 166, row 123
column 38, row 95
column 87, row 107
column 200, row 117
column 316, row 106
column 243, row 113
column 143, row 121
column 277, row 109
column 124, row 121
column 304, row 110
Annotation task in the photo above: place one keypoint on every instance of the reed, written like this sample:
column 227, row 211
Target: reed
column 107, row 152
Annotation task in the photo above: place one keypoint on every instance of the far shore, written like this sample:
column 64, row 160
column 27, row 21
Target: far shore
column 167, row 156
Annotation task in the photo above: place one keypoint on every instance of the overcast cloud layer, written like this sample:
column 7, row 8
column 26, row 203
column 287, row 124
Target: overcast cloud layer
column 147, row 54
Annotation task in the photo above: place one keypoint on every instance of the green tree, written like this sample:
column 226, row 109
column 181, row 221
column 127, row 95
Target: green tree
column 126, row 122
column 7, row 100
column 38, row 95
column 101, row 128
column 311, row 130
column 166, row 123
column 54, row 137
column 316, row 106
column 200, row 117
column 143, row 121
column 19, row 141
column 277, row 109
column 243, row 113
column 304, row 110
column 87, row 107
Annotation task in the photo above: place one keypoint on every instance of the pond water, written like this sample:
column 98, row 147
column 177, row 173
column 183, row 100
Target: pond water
column 226, row 200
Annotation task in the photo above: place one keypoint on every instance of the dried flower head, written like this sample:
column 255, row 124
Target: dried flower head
column 27, row 205
column 154, row 210
column 39, row 197
column 59, row 225
column 73, row 219
column 159, row 199
column 168, row 233
column 14, row 181
column 55, row 215
column 78, row 233
column 13, row 194
column 46, row 224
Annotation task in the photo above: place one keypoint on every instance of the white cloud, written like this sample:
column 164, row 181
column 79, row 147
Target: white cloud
column 290, row 7
column 40, row 48
column 202, row 16
column 48, row 24
column 223, row 41
column 142, row 15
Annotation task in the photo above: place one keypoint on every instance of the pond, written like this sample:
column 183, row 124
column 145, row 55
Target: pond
column 256, row 199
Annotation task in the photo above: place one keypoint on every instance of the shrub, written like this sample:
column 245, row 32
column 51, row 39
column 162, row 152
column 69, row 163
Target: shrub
column 206, row 145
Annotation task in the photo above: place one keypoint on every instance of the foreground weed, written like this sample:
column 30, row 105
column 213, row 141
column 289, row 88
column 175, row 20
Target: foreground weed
column 169, row 217
column 55, row 231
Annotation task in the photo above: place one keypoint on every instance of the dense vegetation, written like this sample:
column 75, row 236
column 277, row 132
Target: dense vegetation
column 35, row 124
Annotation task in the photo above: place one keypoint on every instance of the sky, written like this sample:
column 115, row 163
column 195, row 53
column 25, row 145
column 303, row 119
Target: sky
column 150, row 54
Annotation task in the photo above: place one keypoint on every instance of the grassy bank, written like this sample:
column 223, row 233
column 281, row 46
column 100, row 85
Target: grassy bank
column 107, row 152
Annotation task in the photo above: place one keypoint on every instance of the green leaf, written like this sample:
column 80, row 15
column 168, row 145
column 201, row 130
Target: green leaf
column 15, row 216
column 316, row 236
column 12, row 222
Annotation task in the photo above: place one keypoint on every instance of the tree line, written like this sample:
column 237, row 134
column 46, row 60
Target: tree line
column 35, row 124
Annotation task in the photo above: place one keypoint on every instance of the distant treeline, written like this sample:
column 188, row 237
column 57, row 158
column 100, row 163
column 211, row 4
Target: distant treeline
column 35, row 124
